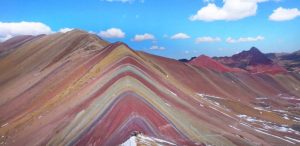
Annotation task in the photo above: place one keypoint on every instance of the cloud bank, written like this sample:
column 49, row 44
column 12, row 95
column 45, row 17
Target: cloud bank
column 157, row 48
column 231, row 10
column 207, row 39
column 11, row 29
column 244, row 39
column 64, row 30
column 283, row 14
column 112, row 33
column 180, row 36
column 143, row 37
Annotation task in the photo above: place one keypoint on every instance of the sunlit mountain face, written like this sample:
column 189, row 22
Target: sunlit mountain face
column 145, row 72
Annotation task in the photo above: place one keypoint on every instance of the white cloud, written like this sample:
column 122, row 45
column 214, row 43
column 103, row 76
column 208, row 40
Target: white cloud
column 180, row 36
column 231, row 10
column 64, row 30
column 112, row 33
column 11, row 29
column 244, row 39
column 143, row 37
column 207, row 40
column 157, row 48
column 282, row 14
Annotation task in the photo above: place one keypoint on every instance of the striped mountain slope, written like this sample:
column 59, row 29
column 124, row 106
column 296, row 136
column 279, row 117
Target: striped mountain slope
column 76, row 89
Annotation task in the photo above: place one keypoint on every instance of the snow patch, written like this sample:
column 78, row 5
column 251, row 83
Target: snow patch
column 280, row 111
column 296, row 119
column 167, row 104
column 293, row 139
column 289, row 98
column 172, row 93
column 207, row 95
column 249, row 119
column 235, row 128
column 143, row 139
column 274, row 136
column 130, row 142
column 140, row 139
column 285, row 116
column 261, row 98
column 281, row 128
column 4, row 125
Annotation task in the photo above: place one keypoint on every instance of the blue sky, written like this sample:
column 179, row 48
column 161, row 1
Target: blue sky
column 249, row 25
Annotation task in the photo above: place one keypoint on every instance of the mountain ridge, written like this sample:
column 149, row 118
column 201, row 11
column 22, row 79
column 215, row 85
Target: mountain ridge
column 252, row 61
column 207, row 62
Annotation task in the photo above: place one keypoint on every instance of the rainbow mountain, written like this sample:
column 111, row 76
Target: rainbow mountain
column 75, row 88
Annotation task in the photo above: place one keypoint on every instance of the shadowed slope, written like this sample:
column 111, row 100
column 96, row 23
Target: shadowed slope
column 13, row 43
column 33, row 60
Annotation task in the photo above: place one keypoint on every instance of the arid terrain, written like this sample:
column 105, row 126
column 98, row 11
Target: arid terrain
column 75, row 88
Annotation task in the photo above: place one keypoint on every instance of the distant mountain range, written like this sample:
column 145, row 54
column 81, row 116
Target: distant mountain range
column 290, row 61
column 252, row 61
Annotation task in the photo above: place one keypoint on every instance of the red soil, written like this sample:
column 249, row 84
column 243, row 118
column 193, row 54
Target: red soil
column 207, row 62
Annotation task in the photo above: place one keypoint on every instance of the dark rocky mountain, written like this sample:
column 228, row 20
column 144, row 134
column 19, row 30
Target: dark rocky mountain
column 186, row 60
column 251, row 57
column 253, row 61
column 290, row 61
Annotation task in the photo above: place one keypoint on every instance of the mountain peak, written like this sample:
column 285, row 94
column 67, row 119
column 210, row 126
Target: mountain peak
column 77, row 31
column 203, row 56
column 254, row 49
column 252, row 57
column 253, row 61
